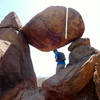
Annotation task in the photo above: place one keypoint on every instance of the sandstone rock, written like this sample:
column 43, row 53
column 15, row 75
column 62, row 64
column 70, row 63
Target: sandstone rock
column 97, row 79
column 80, row 53
column 88, row 93
column 75, row 81
column 46, row 31
column 72, row 79
column 15, row 61
column 11, row 20
column 79, row 42
column 25, row 91
column 80, row 49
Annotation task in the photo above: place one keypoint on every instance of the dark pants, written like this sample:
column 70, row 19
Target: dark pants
column 60, row 67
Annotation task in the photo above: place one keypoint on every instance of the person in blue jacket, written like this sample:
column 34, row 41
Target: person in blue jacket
column 60, row 59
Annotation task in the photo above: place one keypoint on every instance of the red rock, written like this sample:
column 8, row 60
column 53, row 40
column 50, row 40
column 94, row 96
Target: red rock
column 15, row 61
column 97, row 79
column 11, row 20
column 46, row 31
column 88, row 93
column 70, row 81
column 80, row 49
column 79, row 42
column 25, row 91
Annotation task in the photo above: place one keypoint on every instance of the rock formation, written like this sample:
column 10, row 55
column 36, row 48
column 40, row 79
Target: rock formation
column 80, row 80
column 15, row 61
column 25, row 91
column 46, row 31
column 80, row 49
column 97, row 79
column 78, row 73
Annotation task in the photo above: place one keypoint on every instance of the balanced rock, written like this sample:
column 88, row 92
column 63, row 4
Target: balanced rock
column 46, row 31
column 15, row 61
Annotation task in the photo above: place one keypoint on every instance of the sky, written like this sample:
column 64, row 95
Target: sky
column 44, row 62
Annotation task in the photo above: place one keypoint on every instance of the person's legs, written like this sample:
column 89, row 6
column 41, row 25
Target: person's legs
column 60, row 67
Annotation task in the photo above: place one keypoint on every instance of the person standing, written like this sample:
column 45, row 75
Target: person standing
column 60, row 59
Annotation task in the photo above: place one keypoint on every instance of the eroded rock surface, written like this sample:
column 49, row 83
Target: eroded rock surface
column 46, row 31
column 97, row 79
column 79, row 42
column 76, row 76
column 80, row 50
column 15, row 61
column 11, row 20
column 87, row 93
column 25, row 90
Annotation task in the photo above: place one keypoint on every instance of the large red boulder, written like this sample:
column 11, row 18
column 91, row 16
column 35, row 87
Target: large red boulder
column 46, row 31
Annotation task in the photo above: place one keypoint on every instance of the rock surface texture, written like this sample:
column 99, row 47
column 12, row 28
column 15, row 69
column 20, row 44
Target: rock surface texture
column 80, row 80
column 77, row 75
column 11, row 20
column 46, row 31
column 80, row 50
column 15, row 61
column 25, row 91
column 97, row 79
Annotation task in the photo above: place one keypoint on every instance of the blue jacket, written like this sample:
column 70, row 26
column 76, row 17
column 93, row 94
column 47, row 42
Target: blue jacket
column 58, row 57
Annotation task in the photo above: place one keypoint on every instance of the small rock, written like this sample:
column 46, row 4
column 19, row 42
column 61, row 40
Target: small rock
column 11, row 20
column 79, row 42
column 80, row 49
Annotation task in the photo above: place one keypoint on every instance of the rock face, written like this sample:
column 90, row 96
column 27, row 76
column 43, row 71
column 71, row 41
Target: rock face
column 97, row 79
column 15, row 61
column 46, row 31
column 71, row 80
column 80, row 49
column 25, row 91
column 79, row 42
column 88, row 93
column 11, row 20
column 76, row 76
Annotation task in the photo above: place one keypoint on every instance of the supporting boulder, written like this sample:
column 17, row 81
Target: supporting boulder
column 15, row 61
column 72, row 79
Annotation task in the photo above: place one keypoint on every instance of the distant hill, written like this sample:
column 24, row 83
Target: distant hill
column 40, row 80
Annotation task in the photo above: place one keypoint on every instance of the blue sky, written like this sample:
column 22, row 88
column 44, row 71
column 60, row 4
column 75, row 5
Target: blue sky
column 43, row 62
